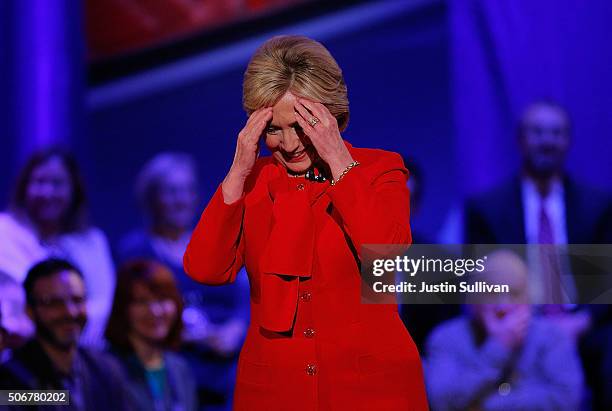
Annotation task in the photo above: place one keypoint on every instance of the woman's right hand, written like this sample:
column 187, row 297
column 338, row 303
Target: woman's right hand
column 247, row 149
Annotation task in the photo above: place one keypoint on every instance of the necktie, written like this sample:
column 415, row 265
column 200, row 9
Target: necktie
column 551, row 270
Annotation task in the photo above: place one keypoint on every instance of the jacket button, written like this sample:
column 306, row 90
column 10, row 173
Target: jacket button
column 311, row 369
column 309, row 333
column 305, row 296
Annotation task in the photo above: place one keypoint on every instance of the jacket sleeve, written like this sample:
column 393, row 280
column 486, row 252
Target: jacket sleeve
column 374, row 203
column 215, row 252
column 457, row 374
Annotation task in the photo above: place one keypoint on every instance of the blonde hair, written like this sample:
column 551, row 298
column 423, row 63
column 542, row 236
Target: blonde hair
column 300, row 65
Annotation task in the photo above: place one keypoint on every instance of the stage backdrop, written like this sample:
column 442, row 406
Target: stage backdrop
column 494, row 56
column 397, row 71
column 505, row 53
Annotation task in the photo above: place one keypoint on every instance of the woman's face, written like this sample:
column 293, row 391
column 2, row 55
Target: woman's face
column 151, row 317
column 286, row 139
column 49, row 192
column 176, row 200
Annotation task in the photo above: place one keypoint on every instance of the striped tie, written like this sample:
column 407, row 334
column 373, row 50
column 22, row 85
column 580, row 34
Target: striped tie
column 551, row 270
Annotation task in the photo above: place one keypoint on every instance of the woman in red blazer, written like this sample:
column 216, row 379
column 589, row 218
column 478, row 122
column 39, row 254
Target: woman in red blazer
column 297, row 221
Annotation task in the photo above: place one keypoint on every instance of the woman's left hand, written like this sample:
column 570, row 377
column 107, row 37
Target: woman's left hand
column 324, row 135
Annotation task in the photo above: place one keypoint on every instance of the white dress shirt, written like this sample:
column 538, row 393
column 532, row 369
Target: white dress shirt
column 20, row 248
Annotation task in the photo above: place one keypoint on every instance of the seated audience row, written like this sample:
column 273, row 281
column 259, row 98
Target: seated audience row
column 48, row 219
column 170, row 343
column 139, row 371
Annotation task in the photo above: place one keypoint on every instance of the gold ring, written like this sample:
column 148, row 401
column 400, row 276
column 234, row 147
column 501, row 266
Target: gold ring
column 313, row 121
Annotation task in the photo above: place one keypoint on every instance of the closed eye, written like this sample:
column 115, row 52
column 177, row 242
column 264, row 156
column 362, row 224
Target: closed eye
column 273, row 129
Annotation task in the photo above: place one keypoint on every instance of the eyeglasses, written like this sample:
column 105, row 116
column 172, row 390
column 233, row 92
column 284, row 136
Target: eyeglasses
column 60, row 302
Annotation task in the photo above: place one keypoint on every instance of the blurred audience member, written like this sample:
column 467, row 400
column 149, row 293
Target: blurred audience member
column 544, row 205
column 144, row 326
column 514, row 211
column 215, row 318
column 167, row 189
column 15, row 323
column 499, row 356
column 53, row 360
column 47, row 218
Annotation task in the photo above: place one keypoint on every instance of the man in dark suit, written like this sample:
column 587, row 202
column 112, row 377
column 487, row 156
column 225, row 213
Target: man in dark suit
column 543, row 205
column 500, row 216
column 53, row 360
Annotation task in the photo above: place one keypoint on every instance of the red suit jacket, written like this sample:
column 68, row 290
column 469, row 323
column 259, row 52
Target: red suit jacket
column 312, row 344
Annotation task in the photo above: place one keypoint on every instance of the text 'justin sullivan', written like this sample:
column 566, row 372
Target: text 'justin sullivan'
column 445, row 287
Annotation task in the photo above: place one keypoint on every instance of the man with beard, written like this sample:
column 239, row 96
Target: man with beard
column 52, row 360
